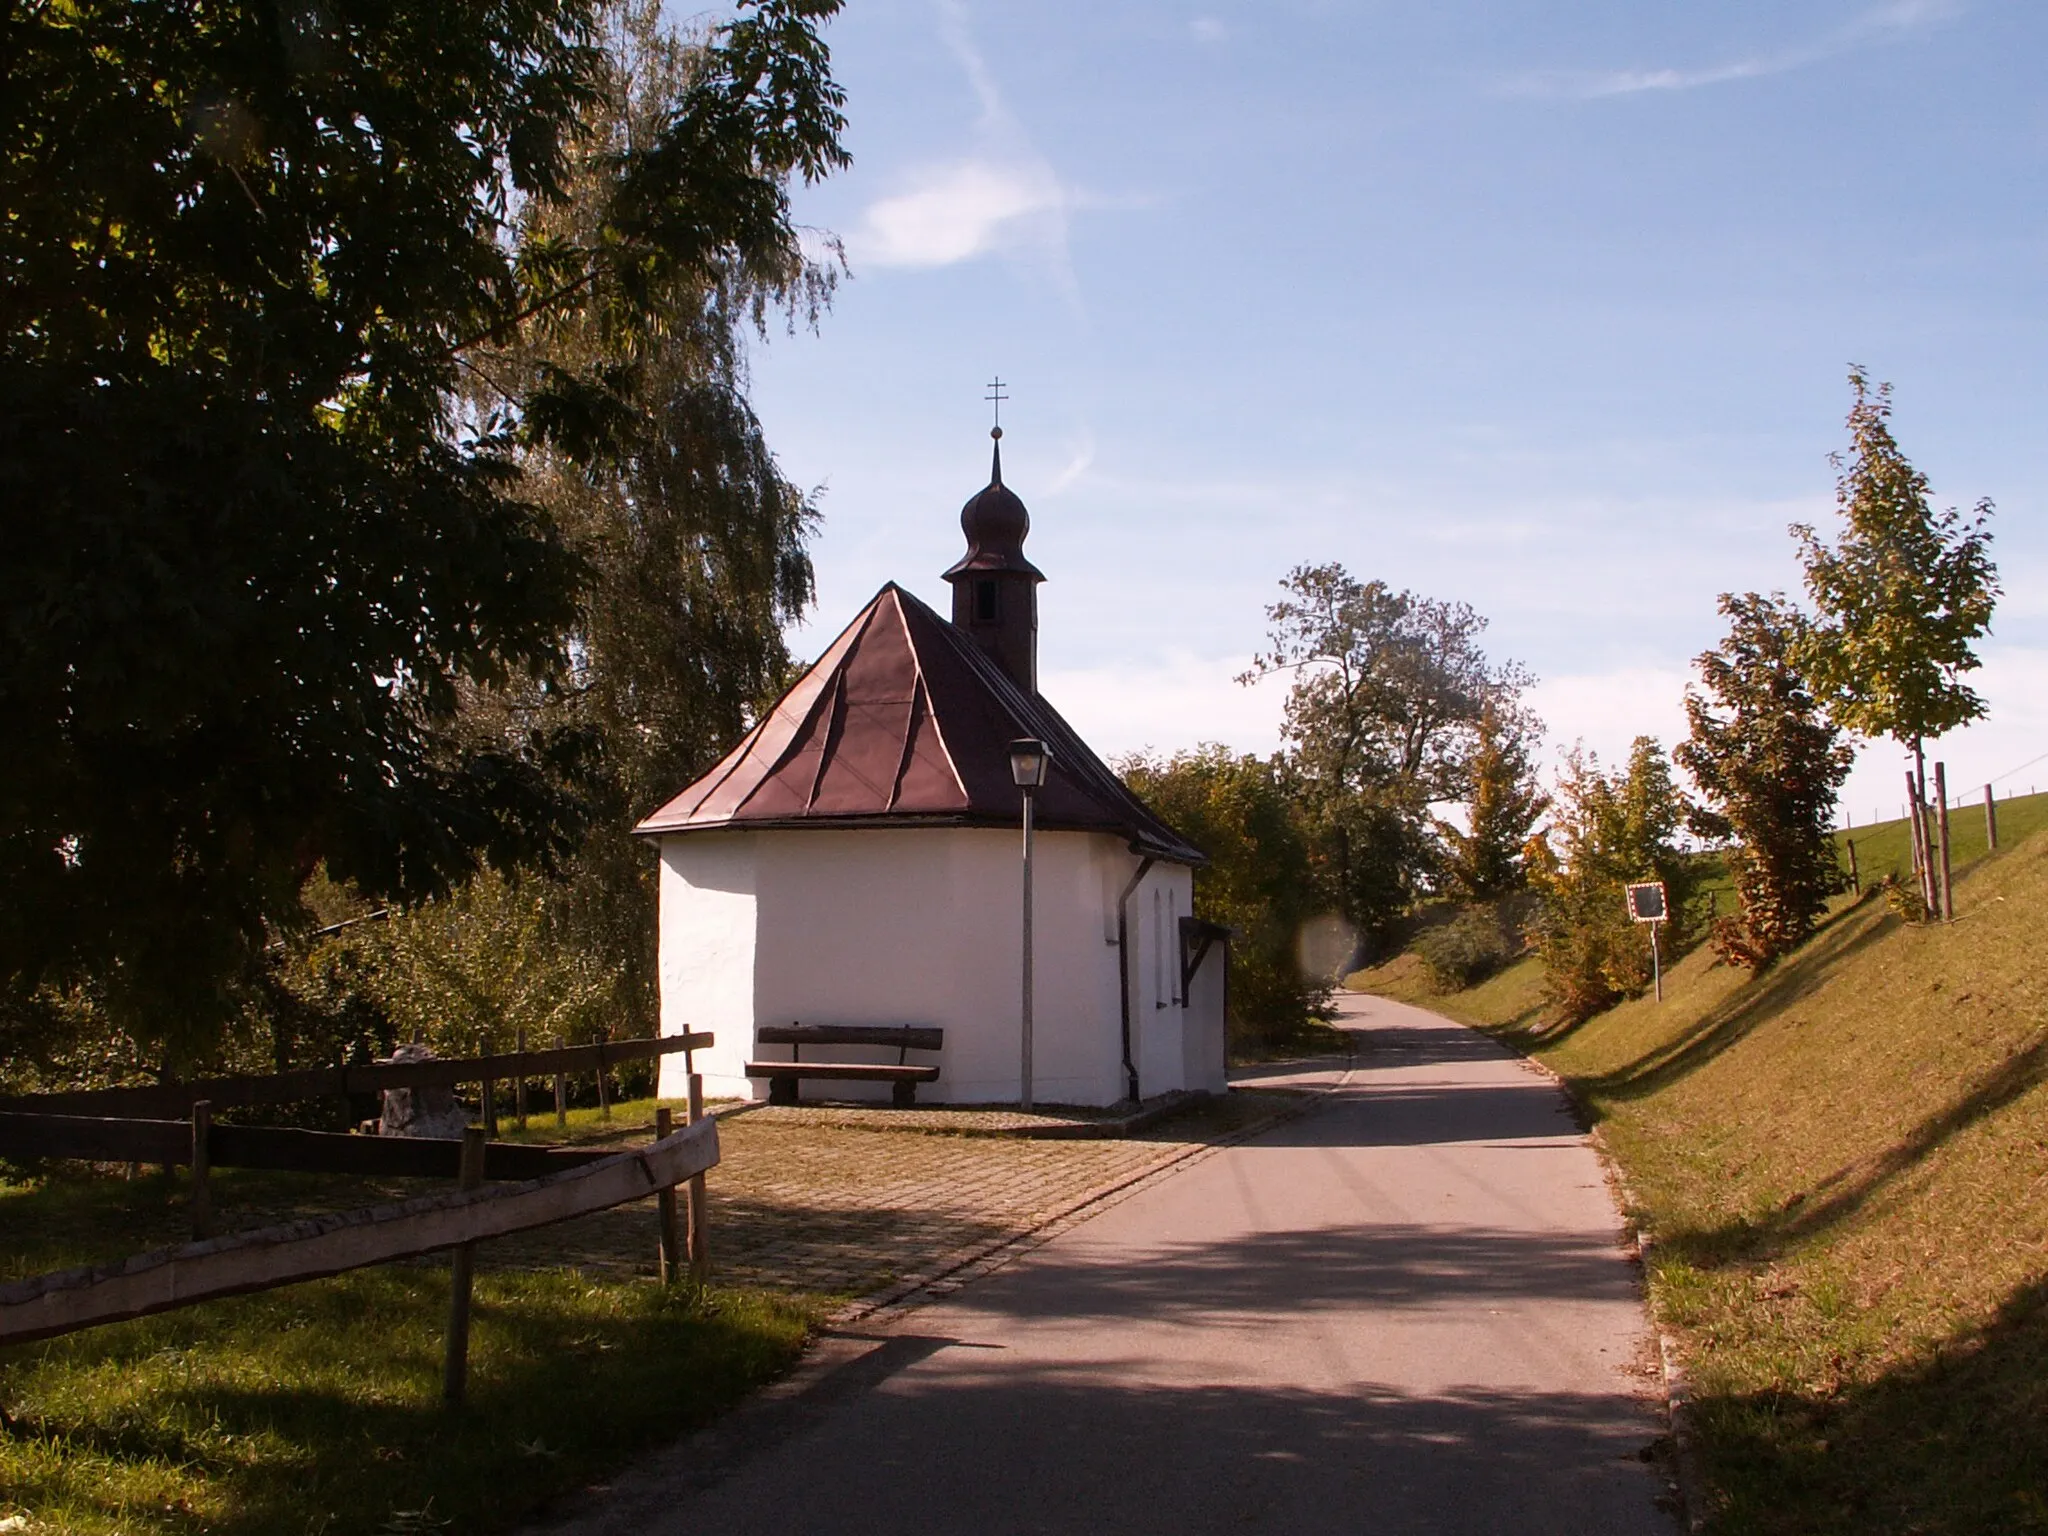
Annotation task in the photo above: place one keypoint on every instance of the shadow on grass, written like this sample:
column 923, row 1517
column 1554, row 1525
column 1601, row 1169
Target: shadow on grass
column 318, row 1408
column 1843, row 1193
column 1954, row 1444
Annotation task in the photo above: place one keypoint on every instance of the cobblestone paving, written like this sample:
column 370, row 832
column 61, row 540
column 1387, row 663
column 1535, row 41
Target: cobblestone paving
column 803, row 1201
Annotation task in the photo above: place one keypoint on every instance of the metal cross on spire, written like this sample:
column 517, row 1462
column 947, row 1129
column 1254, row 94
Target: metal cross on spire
column 996, row 395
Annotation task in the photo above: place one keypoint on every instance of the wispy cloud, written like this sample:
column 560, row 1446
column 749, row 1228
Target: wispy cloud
column 950, row 213
column 1207, row 29
column 1002, row 198
column 1079, row 461
column 1879, row 24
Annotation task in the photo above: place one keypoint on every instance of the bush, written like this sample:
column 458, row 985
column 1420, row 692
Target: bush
column 1466, row 950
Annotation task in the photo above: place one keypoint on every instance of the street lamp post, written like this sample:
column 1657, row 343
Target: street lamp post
column 1030, row 760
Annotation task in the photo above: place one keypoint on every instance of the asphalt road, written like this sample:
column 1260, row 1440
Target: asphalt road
column 1407, row 1311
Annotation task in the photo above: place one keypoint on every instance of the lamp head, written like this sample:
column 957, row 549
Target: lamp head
column 1030, row 761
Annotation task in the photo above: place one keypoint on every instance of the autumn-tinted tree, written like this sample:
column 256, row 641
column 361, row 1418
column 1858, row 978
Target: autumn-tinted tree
column 1257, row 880
column 1383, row 717
column 1484, row 859
column 1901, row 595
column 1768, row 763
column 258, row 544
column 1607, row 830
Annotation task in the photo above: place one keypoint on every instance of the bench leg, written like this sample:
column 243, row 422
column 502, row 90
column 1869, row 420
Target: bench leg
column 781, row 1090
column 903, row 1095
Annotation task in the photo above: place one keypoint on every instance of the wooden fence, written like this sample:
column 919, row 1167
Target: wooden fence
column 172, row 1124
column 174, row 1101
column 171, row 1143
column 68, row 1300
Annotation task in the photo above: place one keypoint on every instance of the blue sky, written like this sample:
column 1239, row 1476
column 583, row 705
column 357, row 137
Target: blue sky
column 1547, row 308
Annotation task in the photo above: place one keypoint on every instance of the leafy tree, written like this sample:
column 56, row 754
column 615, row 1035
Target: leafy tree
column 1382, row 719
column 1504, row 802
column 1606, row 831
column 1769, row 763
column 259, row 547
column 695, row 544
column 1257, row 880
column 1900, row 597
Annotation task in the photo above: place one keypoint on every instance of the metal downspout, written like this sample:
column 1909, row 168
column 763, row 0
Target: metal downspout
column 1123, row 969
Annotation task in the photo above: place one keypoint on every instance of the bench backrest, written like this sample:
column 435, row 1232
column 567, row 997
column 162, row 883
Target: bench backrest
column 913, row 1037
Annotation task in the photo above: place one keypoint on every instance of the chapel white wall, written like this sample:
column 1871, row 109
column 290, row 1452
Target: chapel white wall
column 921, row 926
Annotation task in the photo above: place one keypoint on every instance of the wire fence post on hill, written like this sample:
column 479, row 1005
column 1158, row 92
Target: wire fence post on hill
column 1948, row 895
column 1990, row 818
column 1855, row 875
column 455, row 1364
column 1917, row 830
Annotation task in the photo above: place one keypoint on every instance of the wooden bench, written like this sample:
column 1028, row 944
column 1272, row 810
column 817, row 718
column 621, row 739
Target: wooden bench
column 902, row 1075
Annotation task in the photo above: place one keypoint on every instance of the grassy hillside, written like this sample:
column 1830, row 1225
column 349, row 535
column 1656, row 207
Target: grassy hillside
column 1846, row 1164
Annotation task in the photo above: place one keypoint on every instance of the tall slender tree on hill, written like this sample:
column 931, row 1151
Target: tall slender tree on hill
column 1901, row 596
column 1768, row 762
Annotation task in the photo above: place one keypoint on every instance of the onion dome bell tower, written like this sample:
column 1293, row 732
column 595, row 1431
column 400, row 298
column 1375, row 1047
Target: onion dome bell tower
column 995, row 589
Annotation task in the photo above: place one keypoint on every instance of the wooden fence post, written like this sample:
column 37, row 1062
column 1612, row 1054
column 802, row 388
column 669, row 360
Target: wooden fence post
column 1855, row 875
column 671, row 1267
column 700, row 1248
column 202, row 1168
column 561, row 1092
column 604, row 1093
column 1990, row 819
column 455, row 1365
column 489, row 1093
column 519, row 1082
column 1948, row 894
column 1917, row 821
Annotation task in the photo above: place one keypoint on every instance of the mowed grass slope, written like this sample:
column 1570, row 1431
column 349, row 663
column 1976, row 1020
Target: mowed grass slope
column 1845, row 1164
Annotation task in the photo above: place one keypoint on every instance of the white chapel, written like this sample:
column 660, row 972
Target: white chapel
column 856, row 861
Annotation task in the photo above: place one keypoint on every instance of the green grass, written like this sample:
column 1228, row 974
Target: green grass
column 1885, row 847
column 316, row 1408
column 1845, row 1163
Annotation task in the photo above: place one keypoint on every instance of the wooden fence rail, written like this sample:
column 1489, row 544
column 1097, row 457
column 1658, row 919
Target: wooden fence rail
column 67, row 1300
column 170, row 1142
column 174, row 1101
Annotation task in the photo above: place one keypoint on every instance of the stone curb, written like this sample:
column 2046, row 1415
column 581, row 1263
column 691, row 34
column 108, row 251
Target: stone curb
column 1685, row 1457
column 842, row 1118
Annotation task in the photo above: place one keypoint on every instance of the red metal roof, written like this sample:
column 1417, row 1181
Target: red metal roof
column 906, row 721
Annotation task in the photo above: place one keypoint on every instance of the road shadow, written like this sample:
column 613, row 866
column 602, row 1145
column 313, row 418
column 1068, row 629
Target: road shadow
column 975, row 1445
column 1370, row 1265
column 1430, row 1114
column 1407, row 1044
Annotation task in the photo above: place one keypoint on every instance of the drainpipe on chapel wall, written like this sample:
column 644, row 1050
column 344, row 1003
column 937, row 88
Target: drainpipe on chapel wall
column 1123, row 968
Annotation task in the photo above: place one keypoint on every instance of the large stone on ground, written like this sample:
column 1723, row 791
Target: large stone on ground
column 430, row 1112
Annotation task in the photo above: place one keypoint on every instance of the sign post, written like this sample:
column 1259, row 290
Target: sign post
column 1646, row 905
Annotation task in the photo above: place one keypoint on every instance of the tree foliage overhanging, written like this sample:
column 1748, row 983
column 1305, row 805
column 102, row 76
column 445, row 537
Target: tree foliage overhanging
column 260, row 541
